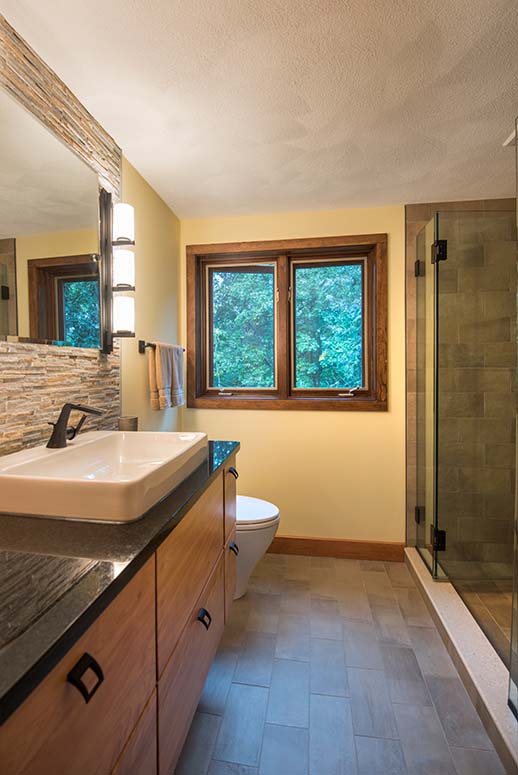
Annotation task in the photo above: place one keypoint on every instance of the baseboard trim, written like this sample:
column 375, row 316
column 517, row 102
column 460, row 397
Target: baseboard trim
column 343, row 548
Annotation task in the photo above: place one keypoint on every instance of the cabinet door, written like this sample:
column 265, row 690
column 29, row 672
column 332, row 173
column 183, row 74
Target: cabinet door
column 184, row 563
column 231, row 475
column 182, row 681
column 139, row 756
column 55, row 730
column 231, row 552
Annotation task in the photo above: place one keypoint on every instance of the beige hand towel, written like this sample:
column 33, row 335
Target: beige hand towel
column 166, row 376
column 153, row 387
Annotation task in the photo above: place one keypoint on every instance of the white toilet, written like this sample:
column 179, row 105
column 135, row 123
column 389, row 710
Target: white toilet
column 257, row 523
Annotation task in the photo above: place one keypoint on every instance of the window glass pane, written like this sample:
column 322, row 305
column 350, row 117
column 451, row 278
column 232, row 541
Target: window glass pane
column 81, row 313
column 328, row 313
column 242, row 327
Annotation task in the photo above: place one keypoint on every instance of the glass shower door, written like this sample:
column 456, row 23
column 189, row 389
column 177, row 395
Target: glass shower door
column 426, row 392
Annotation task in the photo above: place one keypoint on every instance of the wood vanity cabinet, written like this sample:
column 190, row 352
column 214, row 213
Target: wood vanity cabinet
column 230, row 475
column 188, row 635
column 184, row 563
column 139, row 756
column 231, row 552
column 55, row 730
column 182, row 681
column 153, row 666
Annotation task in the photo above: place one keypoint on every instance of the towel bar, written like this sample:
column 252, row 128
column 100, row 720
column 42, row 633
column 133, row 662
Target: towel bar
column 142, row 344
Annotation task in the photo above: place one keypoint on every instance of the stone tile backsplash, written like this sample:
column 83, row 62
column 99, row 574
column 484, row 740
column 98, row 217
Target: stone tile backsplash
column 36, row 380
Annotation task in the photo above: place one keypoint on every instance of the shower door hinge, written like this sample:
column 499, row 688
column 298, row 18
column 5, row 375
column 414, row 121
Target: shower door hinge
column 419, row 268
column 439, row 250
column 437, row 539
column 419, row 514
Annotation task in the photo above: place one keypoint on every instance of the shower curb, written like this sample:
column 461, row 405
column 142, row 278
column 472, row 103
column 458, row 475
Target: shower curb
column 480, row 668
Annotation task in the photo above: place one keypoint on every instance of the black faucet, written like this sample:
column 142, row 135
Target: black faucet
column 62, row 431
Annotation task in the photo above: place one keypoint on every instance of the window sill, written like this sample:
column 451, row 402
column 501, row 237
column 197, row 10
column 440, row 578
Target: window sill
column 269, row 403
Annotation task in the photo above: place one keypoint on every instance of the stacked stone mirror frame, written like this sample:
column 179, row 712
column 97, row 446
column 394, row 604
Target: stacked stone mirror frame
column 35, row 380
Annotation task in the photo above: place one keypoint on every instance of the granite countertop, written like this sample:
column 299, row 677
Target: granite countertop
column 57, row 576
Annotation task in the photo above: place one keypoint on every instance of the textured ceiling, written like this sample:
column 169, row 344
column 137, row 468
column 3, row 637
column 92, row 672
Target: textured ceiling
column 44, row 187
column 243, row 106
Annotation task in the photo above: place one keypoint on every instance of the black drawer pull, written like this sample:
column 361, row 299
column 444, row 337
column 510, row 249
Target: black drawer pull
column 205, row 618
column 233, row 471
column 234, row 548
column 87, row 662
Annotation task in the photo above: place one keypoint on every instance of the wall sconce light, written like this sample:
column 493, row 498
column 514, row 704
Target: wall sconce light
column 123, row 224
column 117, row 271
column 123, row 268
column 123, row 315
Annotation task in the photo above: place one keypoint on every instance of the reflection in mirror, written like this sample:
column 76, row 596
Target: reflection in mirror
column 49, row 235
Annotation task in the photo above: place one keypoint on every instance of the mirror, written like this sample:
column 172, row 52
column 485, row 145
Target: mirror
column 49, row 235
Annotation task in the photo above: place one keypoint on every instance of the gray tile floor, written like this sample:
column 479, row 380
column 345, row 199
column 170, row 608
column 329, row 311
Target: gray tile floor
column 331, row 667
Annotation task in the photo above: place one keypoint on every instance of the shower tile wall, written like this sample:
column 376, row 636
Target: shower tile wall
column 484, row 395
column 477, row 360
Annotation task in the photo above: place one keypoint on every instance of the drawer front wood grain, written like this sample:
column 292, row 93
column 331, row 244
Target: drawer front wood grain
column 55, row 730
column 184, row 563
column 139, row 756
column 181, row 684
column 230, row 497
column 230, row 573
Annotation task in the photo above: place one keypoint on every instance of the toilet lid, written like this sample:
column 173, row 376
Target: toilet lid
column 254, row 511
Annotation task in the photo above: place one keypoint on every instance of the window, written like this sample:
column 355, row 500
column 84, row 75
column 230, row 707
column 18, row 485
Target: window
column 241, row 328
column 64, row 300
column 79, row 317
column 295, row 324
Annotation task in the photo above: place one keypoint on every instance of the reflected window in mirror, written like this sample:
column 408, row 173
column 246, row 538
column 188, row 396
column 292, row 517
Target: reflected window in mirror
column 64, row 300
column 79, row 300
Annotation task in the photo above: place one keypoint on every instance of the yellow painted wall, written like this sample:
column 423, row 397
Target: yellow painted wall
column 65, row 243
column 157, row 248
column 333, row 474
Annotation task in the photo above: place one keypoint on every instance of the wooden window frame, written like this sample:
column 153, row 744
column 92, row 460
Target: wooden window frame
column 372, row 397
column 45, row 318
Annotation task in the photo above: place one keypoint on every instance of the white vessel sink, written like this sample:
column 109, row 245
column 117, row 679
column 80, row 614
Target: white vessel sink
column 111, row 476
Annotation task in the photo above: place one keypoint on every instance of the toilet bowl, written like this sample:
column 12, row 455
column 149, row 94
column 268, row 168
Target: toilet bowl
column 257, row 523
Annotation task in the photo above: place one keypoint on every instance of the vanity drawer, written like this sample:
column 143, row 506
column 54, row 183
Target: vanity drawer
column 140, row 753
column 184, row 563
column 55, row 730
column 230, row 474
column 231, row 551
column 181, row 684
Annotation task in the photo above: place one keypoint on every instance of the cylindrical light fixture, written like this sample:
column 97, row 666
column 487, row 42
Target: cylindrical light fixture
column 117, row 270
column 123, row 268
column 123, row 315
column 123, row 224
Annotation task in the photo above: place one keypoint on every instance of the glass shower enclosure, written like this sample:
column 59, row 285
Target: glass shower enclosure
column 466, row 410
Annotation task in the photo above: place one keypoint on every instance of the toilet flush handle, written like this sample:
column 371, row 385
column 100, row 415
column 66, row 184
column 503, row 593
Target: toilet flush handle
column 233, row 471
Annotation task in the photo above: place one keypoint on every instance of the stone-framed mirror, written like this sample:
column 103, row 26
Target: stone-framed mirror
column 49, row 235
